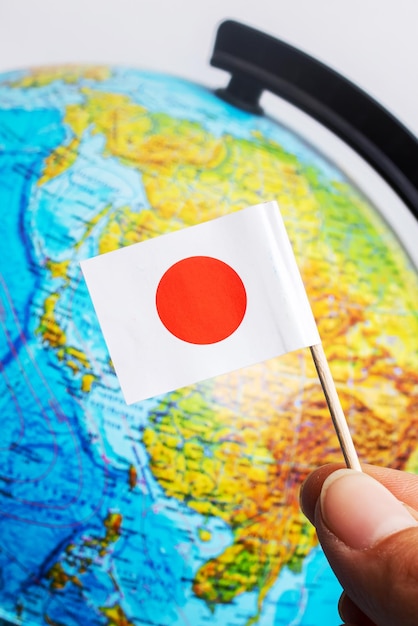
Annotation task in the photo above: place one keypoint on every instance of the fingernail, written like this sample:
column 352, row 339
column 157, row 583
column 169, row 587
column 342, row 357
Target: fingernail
column 360, row 511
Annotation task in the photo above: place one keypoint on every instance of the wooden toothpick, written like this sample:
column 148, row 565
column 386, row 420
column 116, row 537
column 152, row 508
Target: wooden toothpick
column 335, row 408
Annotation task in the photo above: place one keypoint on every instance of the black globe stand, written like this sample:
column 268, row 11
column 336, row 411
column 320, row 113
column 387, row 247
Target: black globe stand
column 260, row 62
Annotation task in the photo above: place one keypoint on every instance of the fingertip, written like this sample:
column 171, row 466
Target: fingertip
column 360, row 511
column 310, row 489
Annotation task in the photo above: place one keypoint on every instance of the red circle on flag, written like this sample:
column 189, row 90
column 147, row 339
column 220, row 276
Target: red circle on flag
column 201, row 300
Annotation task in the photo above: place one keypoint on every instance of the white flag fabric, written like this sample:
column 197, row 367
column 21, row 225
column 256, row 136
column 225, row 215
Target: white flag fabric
column 200, row 302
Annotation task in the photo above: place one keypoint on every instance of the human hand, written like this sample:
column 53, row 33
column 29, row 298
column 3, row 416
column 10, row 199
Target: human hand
column 367, row 524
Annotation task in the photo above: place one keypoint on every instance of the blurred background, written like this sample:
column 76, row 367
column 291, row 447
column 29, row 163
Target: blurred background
column 371, row 42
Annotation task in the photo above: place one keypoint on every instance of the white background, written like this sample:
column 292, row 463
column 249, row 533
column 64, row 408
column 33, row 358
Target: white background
column 372, row 42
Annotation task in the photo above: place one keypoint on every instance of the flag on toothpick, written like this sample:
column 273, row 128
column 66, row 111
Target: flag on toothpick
column 200, row 302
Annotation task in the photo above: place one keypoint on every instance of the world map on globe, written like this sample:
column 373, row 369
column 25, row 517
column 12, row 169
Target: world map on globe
column 182, row 509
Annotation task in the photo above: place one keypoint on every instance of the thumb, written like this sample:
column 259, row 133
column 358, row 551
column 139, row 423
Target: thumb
column 371, row 541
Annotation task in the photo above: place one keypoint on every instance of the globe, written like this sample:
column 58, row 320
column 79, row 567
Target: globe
column 181, row 509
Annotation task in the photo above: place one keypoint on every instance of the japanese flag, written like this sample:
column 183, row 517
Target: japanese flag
column 200, row 302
